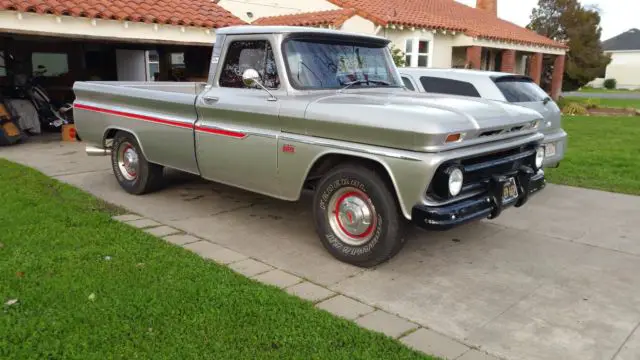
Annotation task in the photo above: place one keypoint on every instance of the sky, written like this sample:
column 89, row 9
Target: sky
column 618, row 16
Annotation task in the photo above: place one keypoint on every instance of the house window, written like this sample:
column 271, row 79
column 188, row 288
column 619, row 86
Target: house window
column 417, row 53
column 408, row 51
column 49, row 64
column 153, row 65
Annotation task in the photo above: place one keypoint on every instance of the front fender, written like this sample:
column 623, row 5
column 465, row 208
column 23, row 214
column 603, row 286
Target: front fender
column 405, row 170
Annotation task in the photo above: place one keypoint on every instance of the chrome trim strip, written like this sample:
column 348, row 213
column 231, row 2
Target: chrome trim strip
column 328, row 143
column 479, row 141
column 246, row 132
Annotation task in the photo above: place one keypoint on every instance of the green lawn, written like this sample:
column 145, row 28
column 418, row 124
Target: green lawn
column 615, row 103
column 603, row 153
column 91, row 288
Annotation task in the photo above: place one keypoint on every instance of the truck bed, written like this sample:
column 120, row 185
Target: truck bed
column 161, row 115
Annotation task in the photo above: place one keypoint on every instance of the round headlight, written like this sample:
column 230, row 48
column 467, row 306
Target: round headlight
column 456, row 178
column 540, row 157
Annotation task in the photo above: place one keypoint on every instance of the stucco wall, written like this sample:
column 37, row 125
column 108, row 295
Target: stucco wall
column 443, row 51
column 358, row 24
column 625, row 67
column 262, row 8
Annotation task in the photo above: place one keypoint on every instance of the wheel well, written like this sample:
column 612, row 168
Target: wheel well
column 327, row 162
column 109, row 136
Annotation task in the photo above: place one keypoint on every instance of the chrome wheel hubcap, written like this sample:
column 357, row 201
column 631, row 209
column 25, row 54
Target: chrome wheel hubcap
column 352, row 216
column 128, row 161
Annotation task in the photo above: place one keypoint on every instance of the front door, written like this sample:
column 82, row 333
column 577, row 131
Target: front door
column 237, row 129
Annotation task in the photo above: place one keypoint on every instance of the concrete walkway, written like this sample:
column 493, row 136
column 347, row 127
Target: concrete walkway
column 555, row 280
column 604, row 95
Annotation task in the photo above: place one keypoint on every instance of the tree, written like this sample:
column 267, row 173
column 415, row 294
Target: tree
column 579, row 27
column 398, row 56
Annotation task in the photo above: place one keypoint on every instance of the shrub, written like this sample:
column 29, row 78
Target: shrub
column 610, row 84
column 562, row 102
column 592, row 103
column 574, row 109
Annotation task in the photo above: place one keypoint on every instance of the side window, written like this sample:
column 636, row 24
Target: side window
column 408, row 84
column 249, row 54
column 448, row 86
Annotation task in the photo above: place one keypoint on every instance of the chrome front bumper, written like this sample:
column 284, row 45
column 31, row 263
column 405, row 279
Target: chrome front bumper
column 489, row 204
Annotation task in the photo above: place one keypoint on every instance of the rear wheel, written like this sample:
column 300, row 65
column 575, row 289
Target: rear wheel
column 357, row 216
column 134, row 173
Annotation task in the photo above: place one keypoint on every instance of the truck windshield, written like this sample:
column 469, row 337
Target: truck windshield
column 315, row 64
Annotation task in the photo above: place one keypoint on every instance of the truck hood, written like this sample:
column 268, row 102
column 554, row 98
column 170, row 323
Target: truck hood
column 421, row 122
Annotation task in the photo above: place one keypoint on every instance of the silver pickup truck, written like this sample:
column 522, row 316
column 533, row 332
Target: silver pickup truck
column 289, row 109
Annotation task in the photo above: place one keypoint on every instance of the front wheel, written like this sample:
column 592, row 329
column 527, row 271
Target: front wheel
column 357, row 217
column 134, row 173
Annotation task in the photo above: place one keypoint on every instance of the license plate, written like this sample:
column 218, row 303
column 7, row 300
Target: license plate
column 510, row 191
column 550, row 150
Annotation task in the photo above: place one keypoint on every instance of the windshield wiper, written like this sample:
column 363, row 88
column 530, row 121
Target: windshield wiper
column 311, row 71
column 358, row 82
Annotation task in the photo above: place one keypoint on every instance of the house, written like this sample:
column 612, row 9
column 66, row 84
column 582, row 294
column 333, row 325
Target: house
column 624, row 50
column 138, row 40
column 431, row 33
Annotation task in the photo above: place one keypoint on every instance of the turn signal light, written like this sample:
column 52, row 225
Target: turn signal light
column 454, row 137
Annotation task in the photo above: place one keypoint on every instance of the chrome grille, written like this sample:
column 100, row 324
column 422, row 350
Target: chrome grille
column 478, row 170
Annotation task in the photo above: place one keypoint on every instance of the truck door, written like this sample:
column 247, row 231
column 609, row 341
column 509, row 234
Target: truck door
column 237, row 130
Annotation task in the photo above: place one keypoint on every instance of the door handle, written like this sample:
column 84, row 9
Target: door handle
column 210, row 99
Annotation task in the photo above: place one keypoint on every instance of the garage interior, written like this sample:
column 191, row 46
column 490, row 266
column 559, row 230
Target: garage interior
column 55, row 63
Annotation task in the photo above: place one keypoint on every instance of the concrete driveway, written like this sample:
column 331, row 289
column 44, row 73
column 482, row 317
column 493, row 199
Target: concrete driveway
column 559, row 279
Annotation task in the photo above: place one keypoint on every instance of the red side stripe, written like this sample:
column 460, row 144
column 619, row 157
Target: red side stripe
column 233, row 134
column 156, row 120
column 133, row 116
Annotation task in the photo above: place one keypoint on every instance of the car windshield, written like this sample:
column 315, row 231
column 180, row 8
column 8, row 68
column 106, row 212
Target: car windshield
column 519, row 90
column 316, row 64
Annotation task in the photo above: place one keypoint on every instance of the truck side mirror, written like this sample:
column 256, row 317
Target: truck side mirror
column 251, row 78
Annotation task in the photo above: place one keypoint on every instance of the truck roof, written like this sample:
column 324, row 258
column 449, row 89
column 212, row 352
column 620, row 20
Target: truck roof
column 271, row 29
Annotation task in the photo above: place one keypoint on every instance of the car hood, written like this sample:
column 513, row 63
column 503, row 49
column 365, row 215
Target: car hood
column 413, row 121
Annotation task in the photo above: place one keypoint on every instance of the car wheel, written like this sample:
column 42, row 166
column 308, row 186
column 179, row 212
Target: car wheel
column 357, row 216
column 134, row 173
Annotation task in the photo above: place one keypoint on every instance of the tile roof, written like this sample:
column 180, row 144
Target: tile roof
column 629, row 40
column 329, row 17
column 445, row 15
column 199, row 13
